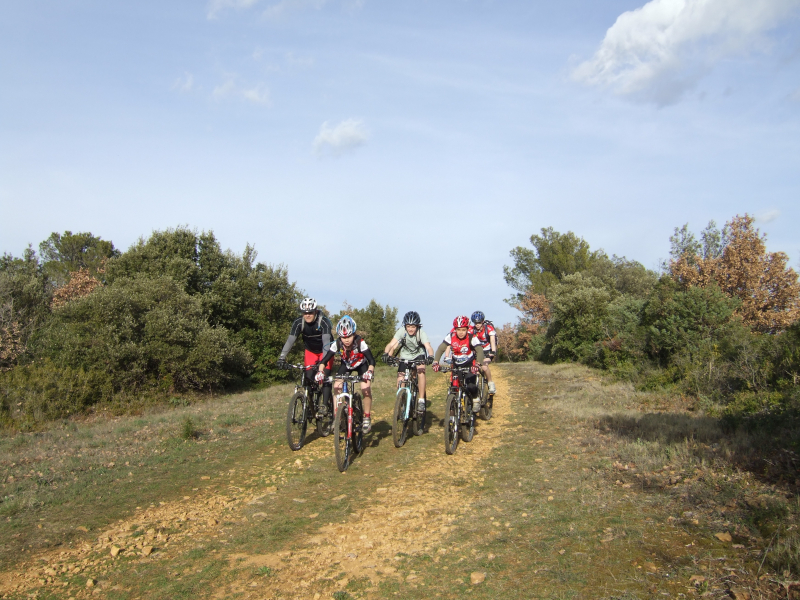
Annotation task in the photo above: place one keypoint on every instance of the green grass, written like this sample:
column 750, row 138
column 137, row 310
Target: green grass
column 553, row 512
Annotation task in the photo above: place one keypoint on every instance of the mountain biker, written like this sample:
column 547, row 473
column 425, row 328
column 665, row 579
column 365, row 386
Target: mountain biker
column 316, row 330
column 466, row 350
column 356, row 357
column 485, row 332
column 413, row 344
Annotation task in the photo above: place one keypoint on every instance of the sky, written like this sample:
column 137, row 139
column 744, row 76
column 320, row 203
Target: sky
column 399, row 150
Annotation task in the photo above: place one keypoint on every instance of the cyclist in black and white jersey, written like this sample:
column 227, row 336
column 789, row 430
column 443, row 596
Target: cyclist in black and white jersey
column 413, row 343
column 316, row 330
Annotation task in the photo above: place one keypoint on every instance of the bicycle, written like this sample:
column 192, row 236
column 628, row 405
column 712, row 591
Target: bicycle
column 405, row 414
column 303, row 406
column 348, row 438
column 459, row 418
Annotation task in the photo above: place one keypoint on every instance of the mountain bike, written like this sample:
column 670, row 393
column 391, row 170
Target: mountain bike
column 304, row 406
column 459, row 418
column 405, row 414
column 348, row 439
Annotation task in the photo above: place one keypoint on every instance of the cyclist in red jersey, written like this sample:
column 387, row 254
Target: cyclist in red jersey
column 485, row 332
column 465, row 350
column 316, row 330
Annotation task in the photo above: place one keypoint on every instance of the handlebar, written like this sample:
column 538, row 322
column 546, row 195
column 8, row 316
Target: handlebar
column 458, row 369
column 289, row 366
column 353, row 378
column 394, row 361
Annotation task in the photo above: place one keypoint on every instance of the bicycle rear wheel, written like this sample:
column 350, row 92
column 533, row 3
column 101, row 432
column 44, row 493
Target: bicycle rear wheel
column 400, row 424
column 296, row 421
column 418, row 419
column 451, row 424
column 325, row 424
column 358, row 420
column 467, row 429
column 486, row 409
column 342, row 445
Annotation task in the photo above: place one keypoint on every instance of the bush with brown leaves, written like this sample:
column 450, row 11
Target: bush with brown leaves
column 768, row 290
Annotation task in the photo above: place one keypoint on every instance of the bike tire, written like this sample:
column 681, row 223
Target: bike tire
column 400, row 425
column 486, row 409
column 467, row 429
column 418, row 422
column 325, row 424
column 451, row 423
column 342, row 446
column 296, row 421
column 358, row 416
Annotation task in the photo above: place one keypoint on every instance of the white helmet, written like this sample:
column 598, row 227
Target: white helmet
column 308, row 304
column 346, row 326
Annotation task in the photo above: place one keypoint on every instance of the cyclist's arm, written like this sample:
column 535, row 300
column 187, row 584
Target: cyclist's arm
column 428, row 349
column 369, row 358
column 391, row 346
column 440, row 350
column 493, row 339
column 288, row 345
column 329, row 353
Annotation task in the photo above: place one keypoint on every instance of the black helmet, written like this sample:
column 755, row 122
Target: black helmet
column 411, row 318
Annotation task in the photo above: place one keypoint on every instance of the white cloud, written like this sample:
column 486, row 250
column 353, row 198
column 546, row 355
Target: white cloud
column 344, row 137
column 657, row 52
column 217, row 6
column 258, row 94
column 769, row 216
column 184, row 83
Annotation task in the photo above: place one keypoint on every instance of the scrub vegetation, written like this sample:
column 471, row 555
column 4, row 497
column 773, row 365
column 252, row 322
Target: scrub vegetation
column 85, row 327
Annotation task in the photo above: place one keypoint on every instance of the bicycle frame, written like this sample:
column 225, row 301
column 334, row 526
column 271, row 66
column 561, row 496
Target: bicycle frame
column 347, row 383
column 410, row 381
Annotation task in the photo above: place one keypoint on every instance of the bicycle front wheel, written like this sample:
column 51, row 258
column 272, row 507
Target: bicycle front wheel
column 451, row 424
column 342, row 445
column 400, row 424
column 296, row 421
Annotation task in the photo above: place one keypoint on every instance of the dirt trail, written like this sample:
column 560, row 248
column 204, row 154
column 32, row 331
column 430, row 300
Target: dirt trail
column 399, row 514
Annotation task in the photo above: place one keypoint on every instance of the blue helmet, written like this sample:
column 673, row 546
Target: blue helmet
column 346, row 326
column 478, row 317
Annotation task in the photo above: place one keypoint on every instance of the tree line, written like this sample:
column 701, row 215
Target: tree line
column 719, row 323
column 83, row 324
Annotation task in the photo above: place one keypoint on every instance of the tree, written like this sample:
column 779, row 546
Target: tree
column 768, row 291
column 555, row 255
column 69, row 252
column 376, row 323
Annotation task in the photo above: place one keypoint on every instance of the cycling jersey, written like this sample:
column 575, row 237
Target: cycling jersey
column 411, row 346
column 316, row 335
column 462, row 351
column 484, row 334
column 357, row 354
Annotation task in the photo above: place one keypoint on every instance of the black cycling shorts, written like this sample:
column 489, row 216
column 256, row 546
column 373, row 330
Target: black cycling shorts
column 360, row 369
column 401, row 368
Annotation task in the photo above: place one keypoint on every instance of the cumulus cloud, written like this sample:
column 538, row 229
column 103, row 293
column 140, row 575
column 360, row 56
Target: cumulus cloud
column 769, row 216
column 258, row 94
column 344, row 137
column 184, row 83
column 659, row 51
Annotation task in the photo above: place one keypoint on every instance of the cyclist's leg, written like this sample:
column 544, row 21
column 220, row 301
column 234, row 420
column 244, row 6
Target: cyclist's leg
column 326, row 387
column 422, row 399
column 400, row 374
column 488, row 374
column 366, row 392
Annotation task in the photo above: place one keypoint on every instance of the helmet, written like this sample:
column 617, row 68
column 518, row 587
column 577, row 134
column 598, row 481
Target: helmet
column 478, row 317
column 308, row 304
column 411, row 318
column 346, row 326
column 460, row 322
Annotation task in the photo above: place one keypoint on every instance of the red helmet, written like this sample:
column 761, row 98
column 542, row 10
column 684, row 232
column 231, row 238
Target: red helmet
column 460, row 322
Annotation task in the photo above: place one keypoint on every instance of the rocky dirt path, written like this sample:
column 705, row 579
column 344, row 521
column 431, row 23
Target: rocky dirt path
column 404, row 511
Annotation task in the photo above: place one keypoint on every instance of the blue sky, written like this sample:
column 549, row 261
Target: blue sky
column 399, row 150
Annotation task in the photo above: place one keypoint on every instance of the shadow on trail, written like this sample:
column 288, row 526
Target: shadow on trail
column 764, row 445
